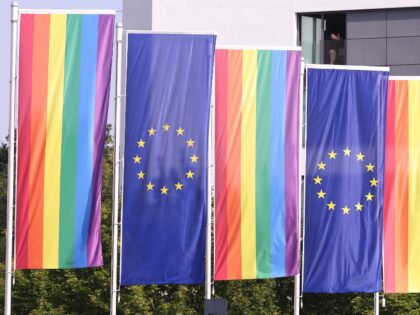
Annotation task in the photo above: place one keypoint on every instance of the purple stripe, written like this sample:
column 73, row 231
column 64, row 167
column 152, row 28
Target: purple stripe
column 291, row 161
column 103, row 75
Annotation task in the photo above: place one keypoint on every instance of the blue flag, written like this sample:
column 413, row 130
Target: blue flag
column 165, row 159
column 344, row 179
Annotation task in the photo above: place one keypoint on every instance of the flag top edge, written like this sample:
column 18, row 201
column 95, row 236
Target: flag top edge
column 63, row 11
column 259, row 47
column 342, row 67
column 165, row 32
column 404, row 78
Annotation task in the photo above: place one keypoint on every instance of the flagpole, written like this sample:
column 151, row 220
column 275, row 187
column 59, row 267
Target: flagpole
column 11, row 162
column 115, row 199
column 376, row 303
column 305, row 121
column 297, row 293
column 210, row 182
column 296, row 305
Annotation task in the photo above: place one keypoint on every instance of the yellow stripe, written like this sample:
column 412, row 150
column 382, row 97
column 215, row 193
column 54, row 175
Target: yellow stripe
column 414, row 186
column 248, row 133
column 53, row 143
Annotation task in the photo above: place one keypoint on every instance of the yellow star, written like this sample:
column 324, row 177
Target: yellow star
column 369, row 197
column 151, row 131
column 190, row 143
column 360, row 156
column 347, row 151
column 332, row 154
column 331, row 205
column 321, row 166
column 358, row 206
column 180, row 131
column 137, row 159
column 178, row 186
column 141, row 175
column 317, row 180
column 150, row 186
column 190, row 174
column 141, row 143
column 194, row 159
column 374, row 182
column 370, row 167
column 166, row 127
column 346, row 210
column 164, row 190
column 321, row 194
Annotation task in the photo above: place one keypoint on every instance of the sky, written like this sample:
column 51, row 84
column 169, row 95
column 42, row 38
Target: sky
column 5, row 53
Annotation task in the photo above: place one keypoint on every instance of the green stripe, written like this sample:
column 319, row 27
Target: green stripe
column 262, row 186
column 69, row 140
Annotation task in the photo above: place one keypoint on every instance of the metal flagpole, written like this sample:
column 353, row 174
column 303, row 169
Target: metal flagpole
column 297, row 293
column 376, row 303
column 296, row 305
column 210, row 182
column 115, row 199
column 11, row 163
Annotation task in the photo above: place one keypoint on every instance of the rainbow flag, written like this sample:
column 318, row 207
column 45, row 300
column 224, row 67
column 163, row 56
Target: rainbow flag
column 64, row 77
column 402, row 183
column 257, row 148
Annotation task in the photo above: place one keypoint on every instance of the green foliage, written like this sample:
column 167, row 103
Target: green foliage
column 3, row 196
column 87, row 291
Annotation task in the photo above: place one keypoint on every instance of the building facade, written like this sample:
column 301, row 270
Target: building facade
column 357, row 32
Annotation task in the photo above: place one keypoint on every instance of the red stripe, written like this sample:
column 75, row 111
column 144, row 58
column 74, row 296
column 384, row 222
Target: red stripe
column 24, row 138
column 221, row 148
column 38, row 135
column 389, row 193
column 233, row 160
column 401, row 184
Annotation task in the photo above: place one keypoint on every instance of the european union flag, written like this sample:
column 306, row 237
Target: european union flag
column 165, row 162
column 344, row 179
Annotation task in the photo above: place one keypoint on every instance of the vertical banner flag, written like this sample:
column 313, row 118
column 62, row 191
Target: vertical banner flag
column 165, row 169
column 344, row 179
column 64, row 77
column 257, row 149
column 402, row 184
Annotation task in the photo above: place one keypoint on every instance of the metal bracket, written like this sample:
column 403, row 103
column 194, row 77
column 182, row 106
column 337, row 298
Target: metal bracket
column 13, row 79
column 119, row 96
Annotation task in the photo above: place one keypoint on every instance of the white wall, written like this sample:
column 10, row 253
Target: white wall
column 236, row 22
column 239, row 22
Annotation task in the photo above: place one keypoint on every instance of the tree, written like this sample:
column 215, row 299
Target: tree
column 3, row 207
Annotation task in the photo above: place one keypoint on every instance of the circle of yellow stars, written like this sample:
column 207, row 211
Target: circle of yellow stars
column 189, row 175
column 331, row 206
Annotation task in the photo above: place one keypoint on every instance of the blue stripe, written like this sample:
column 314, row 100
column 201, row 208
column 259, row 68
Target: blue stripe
column 85, row 137
column 277, row 160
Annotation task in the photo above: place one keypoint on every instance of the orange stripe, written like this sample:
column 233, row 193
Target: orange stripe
column 401, row 183
column 38, row 132
column 233, row 176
